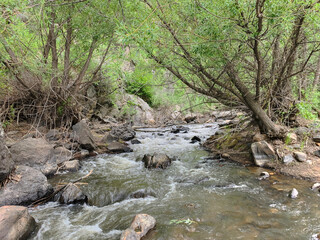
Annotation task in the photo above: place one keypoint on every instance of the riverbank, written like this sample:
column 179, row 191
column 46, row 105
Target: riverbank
column 296, row 155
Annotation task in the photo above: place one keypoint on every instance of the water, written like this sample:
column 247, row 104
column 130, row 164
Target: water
column 195, row 198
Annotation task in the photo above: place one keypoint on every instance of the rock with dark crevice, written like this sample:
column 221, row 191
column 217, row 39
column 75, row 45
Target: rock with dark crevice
column 140, row 226
column 135, row 141
column 195, row 139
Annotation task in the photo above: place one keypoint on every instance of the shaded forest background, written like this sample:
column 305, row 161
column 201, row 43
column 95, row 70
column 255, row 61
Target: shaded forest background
column 259, row 56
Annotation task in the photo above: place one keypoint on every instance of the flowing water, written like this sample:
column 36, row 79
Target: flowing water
column 197, row 197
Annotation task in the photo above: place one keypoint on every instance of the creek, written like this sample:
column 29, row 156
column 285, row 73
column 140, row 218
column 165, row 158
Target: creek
column 197, row 197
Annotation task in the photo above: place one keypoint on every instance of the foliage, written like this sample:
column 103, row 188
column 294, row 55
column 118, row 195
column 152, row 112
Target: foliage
column 187, row 221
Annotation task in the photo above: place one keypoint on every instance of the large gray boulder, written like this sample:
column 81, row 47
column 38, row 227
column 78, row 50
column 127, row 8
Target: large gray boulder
column 140, row 226
column 6, row 163
column 15, row 223
column 158, row 160
column 116, row 147
column 263, row 153
column 38, row 153
column 82, row 134
column 26, row 186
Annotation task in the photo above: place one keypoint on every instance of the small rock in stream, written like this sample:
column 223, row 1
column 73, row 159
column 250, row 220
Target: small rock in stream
column 315, row 186
column 195, row 139
column 264, row 175
column 293, row 193
column 158, row 160
column 135, row 141
column 300, row 156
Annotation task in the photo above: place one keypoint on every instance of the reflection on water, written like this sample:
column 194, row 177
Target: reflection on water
column 195, row 198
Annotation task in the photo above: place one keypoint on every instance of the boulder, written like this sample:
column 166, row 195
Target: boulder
column 49, row 169
column 82, row 134
column 293, row 193
column 71, row 166
column 263, row 153
column 54, row 135
column 15, row 223
column 108, row 138
column 122, row 132
column 288, row 159
column 37, row 152
column 6, row 163
column 140, row 226
column 116, row 147
column 317, row 153
column 26, row 186
column 158, row 160
column 71, row 194
column 300, row 156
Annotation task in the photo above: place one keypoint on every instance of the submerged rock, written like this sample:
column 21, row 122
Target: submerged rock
column 27, row 185
column 135, row 141
column 140, row 226
column 15, row 223
column 158, row 160
column 263, row 153
column 315, row 186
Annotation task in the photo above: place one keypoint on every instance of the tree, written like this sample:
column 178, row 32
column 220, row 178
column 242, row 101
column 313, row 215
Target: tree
column 53, row 51
column 247, row 54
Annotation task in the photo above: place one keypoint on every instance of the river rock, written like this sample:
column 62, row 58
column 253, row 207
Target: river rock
column 263, row 153
column 37, row 152
column 54, row 135
column 116, row 147
column 300, row 156
column 82, row 134
column 122, row 132
column 27, row 185
column 135, row 141
column 15, row 223
column 288, row 159
column 179, row 129
column 190, row 119
column 72, row 194
column 302, row 131
column 6, row 163
column 71, row 166
column 195, row 139
column 158, row 160
column 49, row 169
column 317, row 153
column 293, row 193
column 264, row 175
column 315, row 186
column 140, row 226
column 258, row 137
